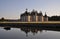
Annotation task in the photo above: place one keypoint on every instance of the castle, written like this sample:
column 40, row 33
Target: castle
column 33, row 16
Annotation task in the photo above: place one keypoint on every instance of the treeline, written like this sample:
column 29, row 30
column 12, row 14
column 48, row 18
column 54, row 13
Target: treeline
column 54, row 18
column 9, row 20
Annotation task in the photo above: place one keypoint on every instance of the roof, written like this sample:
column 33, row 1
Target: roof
column 40, row 13
column 45, row 15
column 34, row 12
column 26, row 13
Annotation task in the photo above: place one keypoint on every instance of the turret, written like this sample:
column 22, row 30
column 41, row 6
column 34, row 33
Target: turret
column 45, row 17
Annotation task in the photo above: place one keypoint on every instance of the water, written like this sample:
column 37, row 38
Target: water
column 28, row 33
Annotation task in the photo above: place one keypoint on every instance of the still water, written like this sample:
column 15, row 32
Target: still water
column 28, row 33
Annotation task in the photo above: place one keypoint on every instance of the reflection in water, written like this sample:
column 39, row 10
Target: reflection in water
column 7, row 28
column 33, row 30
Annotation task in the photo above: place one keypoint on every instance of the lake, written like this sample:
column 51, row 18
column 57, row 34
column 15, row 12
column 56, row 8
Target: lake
column 29, row 33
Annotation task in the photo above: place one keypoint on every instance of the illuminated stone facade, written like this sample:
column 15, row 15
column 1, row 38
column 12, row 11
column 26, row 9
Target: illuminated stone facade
column 33, row 16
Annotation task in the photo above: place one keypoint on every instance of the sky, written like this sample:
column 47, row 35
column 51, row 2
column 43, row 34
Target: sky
column 12, row 9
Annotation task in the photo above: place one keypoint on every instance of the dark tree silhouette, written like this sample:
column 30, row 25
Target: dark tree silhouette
column 54, row 18
column 2, row 19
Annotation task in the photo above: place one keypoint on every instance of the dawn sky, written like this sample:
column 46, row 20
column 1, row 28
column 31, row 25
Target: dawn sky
column 13, row 8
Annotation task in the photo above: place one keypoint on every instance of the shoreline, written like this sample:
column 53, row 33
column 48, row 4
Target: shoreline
column 33, row 22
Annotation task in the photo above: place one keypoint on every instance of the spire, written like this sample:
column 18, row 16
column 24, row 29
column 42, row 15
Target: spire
column 26, row 9
column 45, row 14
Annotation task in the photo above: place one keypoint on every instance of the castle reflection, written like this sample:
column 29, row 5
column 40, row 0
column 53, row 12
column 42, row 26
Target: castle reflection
column 33, row 30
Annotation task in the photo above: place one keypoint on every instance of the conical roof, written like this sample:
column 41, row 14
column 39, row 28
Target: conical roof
column 40, row 13
column 45, row 15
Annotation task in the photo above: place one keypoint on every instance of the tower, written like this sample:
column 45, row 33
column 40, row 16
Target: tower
column 45, row 17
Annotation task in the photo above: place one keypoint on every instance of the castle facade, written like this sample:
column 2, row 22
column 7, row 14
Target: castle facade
column 33, row 16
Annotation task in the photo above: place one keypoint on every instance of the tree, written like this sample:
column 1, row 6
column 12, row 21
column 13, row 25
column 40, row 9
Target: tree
column 2, row 19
